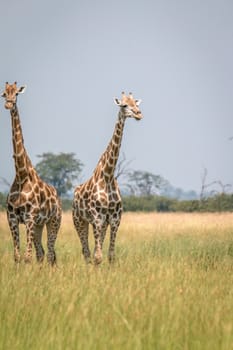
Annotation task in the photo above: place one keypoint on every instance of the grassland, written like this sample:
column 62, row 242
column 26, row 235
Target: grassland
column 170, row 288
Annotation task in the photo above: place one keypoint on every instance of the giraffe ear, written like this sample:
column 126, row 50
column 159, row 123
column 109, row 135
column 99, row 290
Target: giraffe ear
column 21, row 89
column 3, row 94
column 138, row 102
column 117, row 102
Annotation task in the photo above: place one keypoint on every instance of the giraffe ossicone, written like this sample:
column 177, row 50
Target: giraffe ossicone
column 98, row 200
column 30, row 201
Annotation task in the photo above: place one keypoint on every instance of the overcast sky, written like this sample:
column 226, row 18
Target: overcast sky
column 76, row 56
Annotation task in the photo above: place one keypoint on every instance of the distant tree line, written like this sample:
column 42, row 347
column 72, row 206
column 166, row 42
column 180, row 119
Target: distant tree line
column 141, row 190
column 218, row 203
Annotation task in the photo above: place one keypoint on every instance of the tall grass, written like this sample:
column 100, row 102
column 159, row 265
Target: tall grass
column 171, row 287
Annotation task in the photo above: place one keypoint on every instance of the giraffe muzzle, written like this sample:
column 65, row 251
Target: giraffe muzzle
column 9, row 105
column 138, row 116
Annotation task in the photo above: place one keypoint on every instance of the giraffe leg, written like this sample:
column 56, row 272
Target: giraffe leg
column 113, row 232
column 30, row 238
column 52, row 230
column 97, row 228
column 82, row 230
column 103, row 233
column 14, row 228
column 37, row 243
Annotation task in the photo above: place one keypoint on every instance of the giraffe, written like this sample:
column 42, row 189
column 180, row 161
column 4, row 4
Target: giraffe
column 98, row 200
column 30, row 201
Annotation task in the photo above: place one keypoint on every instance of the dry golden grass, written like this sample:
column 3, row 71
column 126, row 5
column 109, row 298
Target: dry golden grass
column 170, row 288
column 150, row 225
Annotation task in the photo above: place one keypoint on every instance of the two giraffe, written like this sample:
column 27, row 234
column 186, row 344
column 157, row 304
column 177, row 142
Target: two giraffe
column 35, row 203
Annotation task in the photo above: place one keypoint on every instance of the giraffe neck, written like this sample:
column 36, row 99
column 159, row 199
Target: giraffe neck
column 107, row 163
column 22, row 161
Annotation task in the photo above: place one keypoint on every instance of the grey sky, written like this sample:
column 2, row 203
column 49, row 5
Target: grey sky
column 76, row 56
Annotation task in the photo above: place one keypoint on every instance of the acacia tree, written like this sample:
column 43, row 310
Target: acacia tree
column 122, row 167
column 60, row 170
column 204, row 186
column 144, row 183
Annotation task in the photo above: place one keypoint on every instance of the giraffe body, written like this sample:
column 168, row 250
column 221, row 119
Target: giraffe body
column 30, row 201
column 98, row 200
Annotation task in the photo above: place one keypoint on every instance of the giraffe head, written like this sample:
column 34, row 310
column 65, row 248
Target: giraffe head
column 129, row 106
column 10, row 94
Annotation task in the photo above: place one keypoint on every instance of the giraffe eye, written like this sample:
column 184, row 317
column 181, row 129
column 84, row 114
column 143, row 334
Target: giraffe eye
column 124, row 106
column 3, row 94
